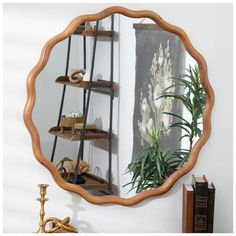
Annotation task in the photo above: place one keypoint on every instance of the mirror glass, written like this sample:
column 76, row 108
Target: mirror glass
column 119, row 106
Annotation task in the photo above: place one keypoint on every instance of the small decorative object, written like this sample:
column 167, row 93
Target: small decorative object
column 84, row 167
column 57, row 225
column 66, row 168
column 76, row 76
column 88, row 25
column 86, row 76
column 69, row 120
column 73, row 114
column 99, row 76
column 42, row 199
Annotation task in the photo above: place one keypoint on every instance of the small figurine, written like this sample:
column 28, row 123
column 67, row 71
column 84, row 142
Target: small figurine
column 76, row 76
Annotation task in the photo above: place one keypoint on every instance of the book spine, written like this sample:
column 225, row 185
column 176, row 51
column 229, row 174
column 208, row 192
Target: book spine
column 200, row 209
column 188, row 204
column 211, row 206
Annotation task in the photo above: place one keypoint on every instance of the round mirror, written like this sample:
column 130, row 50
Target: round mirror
column 119, row 106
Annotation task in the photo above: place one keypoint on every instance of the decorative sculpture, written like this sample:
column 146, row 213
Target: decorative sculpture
column 57, row 225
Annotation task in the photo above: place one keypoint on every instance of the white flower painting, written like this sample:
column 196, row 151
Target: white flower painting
column 160, row 56
column 151, row 107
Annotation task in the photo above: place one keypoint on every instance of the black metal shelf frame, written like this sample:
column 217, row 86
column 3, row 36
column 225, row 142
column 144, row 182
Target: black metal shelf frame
column 86, row 101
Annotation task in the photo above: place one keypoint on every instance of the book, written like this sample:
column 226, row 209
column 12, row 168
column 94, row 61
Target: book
column 187, row 208
column 200, row 186
column 211, row 206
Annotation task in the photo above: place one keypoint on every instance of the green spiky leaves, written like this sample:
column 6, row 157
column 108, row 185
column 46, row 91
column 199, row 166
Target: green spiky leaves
column 153, row 166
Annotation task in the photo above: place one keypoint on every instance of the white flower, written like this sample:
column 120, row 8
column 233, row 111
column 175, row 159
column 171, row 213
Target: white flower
column 165, row 120
column 150, row 126
column 150, row 98
column 145, row 109
column 140, row 130
column 161, row 55
column 167, row 49
column 168, row 82
column 143, row 127
column 149, row 91
column 144, row 106
column 156, row 94
column 159, row 78
column 154, row 64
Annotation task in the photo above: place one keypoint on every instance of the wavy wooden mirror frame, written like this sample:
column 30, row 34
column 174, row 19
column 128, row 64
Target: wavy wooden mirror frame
column 172, row 179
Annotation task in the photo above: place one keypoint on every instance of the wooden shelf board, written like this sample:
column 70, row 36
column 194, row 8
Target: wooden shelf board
column 93, row 182
column 89, row 134
column 102, row 86
column 91, row 32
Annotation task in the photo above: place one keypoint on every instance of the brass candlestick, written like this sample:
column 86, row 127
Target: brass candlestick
column 42, row 199
column 57, row 225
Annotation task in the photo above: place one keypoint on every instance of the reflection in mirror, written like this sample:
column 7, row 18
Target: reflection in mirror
column 119, row 106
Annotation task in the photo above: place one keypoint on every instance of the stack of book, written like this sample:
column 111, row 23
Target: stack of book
column 198, row 206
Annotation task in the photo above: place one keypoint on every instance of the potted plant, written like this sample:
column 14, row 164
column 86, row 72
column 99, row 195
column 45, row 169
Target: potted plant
column 153, row 166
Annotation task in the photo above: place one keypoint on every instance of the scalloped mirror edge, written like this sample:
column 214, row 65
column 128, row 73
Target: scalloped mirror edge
column 172, row 179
